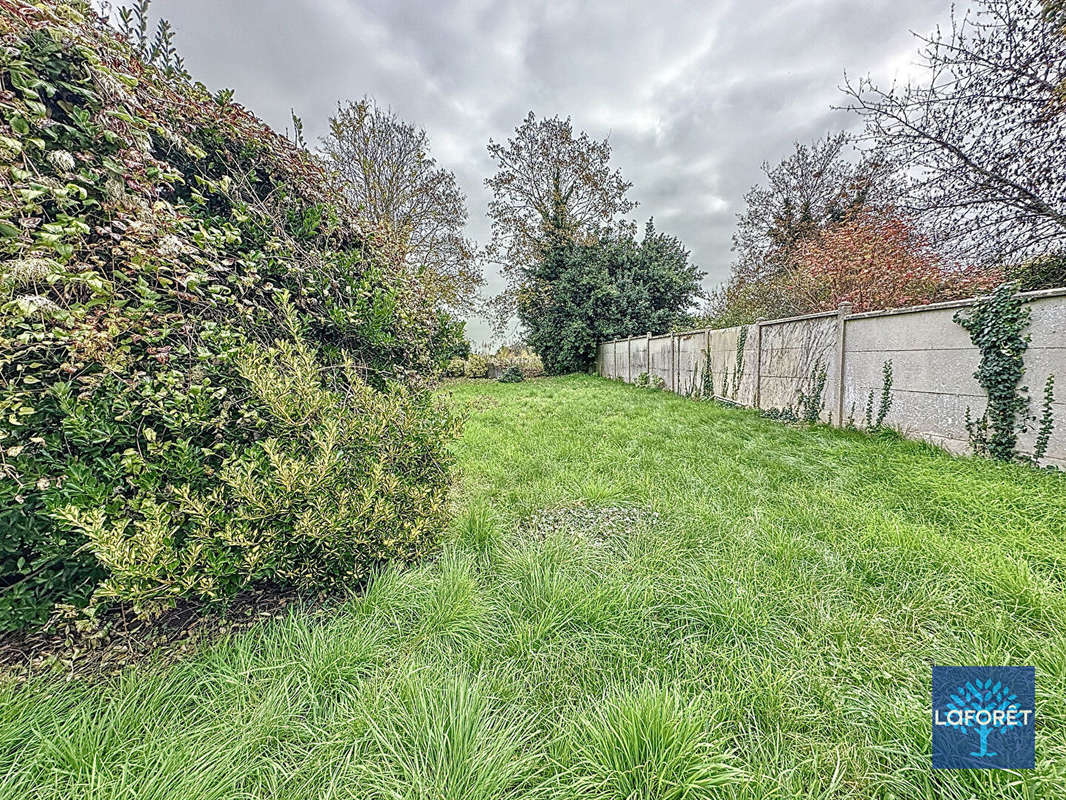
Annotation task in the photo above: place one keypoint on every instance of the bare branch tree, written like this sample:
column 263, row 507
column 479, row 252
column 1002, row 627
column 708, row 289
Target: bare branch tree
column 384, row 167
column 548, row 183
column 984, row 133
column 814, row 187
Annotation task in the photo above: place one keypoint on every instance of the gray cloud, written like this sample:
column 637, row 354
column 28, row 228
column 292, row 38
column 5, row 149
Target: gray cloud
column 695, row 96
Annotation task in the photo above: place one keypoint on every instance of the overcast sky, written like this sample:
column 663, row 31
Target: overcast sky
column 694, row 96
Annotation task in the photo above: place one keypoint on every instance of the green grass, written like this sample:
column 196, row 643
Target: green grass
column 740, row 609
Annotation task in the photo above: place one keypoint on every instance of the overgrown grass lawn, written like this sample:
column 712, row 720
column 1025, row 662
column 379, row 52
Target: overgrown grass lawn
column 643, row 597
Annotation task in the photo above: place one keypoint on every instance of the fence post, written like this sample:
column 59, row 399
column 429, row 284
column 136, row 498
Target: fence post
column 758, row 364
column 842, row 320
column 673, row 362
column 706, row 358
column 629, row 359
column 647, row 349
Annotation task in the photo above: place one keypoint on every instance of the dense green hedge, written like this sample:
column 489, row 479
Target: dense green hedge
column 209, row 376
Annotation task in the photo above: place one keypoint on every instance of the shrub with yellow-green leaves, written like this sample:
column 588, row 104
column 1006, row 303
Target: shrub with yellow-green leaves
column 456, row 367
column 476, row 366
column 156, row 439
column 526, row 361
column 349, row 477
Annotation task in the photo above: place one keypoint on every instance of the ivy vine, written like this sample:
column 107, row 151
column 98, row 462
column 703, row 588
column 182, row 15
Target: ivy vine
column 997, row 326
column 811, row 404
column 707, row 387
column 886, row 400
column 742, row 340
column 1047, row 420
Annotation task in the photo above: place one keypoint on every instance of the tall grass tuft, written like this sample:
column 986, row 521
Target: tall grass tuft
column 442, row 739
column 647, row 745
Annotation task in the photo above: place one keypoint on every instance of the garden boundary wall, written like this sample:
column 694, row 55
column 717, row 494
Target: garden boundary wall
column 768, row 364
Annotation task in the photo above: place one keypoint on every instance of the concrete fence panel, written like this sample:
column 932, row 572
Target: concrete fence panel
column 769, row 364
column 794, row 352
column 734, row 363
column 723, row 347
column 639, row 350
column 661, row 359
column 689, row 360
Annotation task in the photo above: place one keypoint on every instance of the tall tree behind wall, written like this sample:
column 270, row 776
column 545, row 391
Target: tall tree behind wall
column 384, row 167
column 983, row 132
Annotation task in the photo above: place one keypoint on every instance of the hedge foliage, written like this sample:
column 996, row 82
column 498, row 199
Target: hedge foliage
column 209, row 375
column 600, row 288
column 477, row 365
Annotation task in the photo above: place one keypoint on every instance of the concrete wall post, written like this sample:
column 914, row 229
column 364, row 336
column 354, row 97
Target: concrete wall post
column 673, row 362
column 843, row 311
column 758, row 363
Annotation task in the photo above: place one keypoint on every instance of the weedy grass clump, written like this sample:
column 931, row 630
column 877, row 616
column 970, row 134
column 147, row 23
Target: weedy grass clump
column 597, row 524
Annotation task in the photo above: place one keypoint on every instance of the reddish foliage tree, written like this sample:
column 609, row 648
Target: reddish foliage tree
column 874, row 260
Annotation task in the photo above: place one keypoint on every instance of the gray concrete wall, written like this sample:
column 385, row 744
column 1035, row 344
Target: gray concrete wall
column 793, row 353
column 734, row 368
column 689, row 361
column 933, row 362
column 639, row 351
column 661, row 359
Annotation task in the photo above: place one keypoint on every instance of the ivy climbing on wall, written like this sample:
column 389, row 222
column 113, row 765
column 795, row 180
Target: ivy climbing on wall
column 811, row 403
column 998, row 325
column 1047, row 420
column 742, row 341
column 886, row 400
column 707, row 388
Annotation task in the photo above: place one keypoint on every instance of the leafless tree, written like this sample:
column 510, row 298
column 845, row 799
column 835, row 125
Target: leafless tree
column 384, row 166
column 548, row 183
column 983, row 133
column 816, row 185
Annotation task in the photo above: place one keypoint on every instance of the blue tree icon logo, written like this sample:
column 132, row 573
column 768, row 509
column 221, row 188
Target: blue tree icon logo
column 975, row 698
column 983, row 717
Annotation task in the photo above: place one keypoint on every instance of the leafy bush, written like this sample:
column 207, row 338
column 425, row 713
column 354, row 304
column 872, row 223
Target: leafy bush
column 780, row 414
column 154, row 239
column 531, row 364
column 876, row 260
column 526, row 361
column 449, row 339
column 456, row 367
column 477, row 366
column 511, row 374
column 646, row 381
column 1046, row 271
column 347, row 478
column 604, row 287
